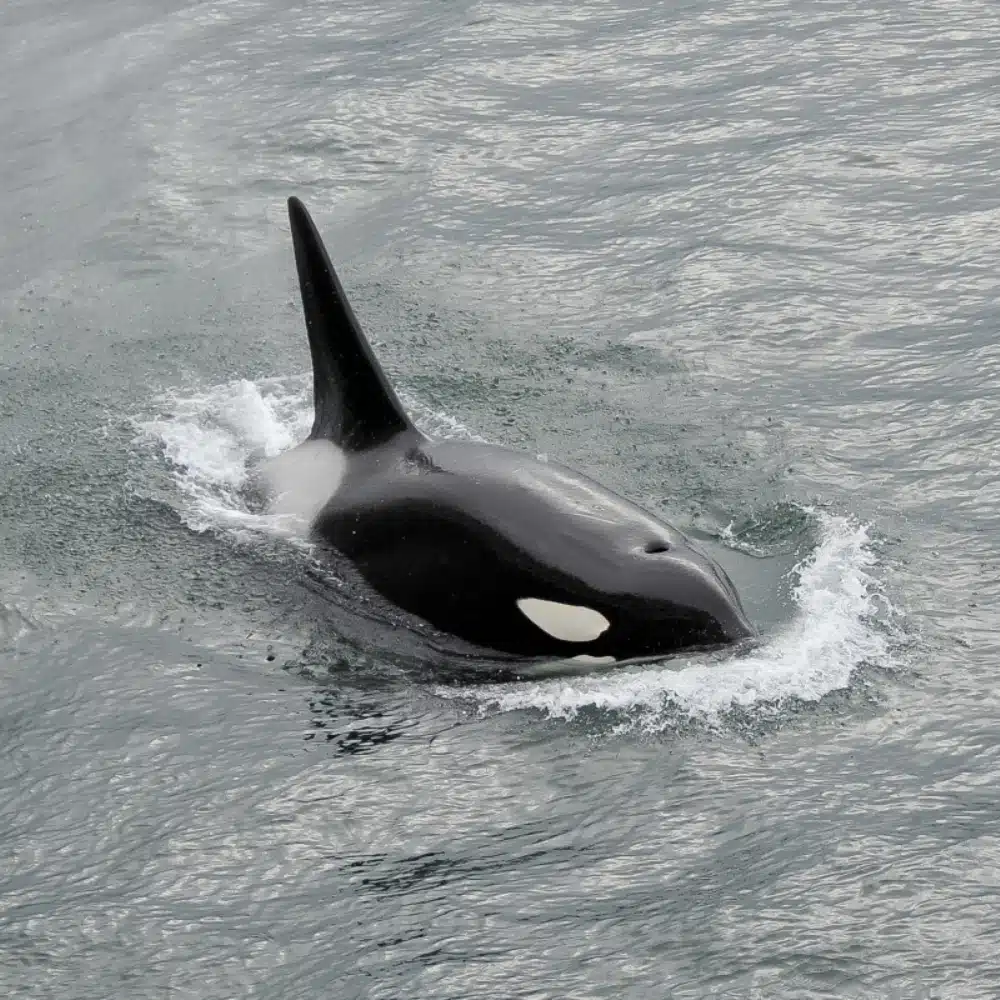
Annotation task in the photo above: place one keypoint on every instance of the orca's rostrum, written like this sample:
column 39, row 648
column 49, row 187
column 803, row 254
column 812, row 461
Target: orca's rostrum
column 512, row 554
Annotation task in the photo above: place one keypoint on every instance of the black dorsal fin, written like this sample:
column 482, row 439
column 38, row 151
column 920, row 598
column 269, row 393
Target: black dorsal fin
column 355, row 406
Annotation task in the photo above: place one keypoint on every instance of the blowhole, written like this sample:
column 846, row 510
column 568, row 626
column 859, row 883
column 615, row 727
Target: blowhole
column 655, row 546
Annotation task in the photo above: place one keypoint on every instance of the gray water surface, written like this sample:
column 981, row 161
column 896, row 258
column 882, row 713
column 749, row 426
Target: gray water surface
column 738, row 261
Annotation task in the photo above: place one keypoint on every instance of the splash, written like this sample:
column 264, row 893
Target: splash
column 211, row 439
column 833, row 632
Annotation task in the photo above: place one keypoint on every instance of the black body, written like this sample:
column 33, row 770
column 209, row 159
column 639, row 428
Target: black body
column 458, row 532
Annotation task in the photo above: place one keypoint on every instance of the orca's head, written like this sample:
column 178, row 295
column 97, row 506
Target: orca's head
column 662, row 596
column 677, row 590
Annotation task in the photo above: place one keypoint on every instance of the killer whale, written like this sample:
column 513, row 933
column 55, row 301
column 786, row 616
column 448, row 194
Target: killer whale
column 511, row 554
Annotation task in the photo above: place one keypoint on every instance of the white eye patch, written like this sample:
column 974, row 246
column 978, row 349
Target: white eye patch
column 568, row 622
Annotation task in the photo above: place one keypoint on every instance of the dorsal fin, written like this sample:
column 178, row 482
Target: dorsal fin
column 355, row 406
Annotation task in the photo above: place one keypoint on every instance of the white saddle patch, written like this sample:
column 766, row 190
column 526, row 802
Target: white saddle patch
column 584, row 658
column 568, row 622
column 302, row 480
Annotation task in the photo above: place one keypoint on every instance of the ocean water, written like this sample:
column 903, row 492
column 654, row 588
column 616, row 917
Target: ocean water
column 739, row 262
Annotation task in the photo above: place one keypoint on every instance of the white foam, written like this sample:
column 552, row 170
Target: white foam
column 832, row 633
column 212, row 438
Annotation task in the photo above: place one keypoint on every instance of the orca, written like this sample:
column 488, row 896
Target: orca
column 512, row 555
